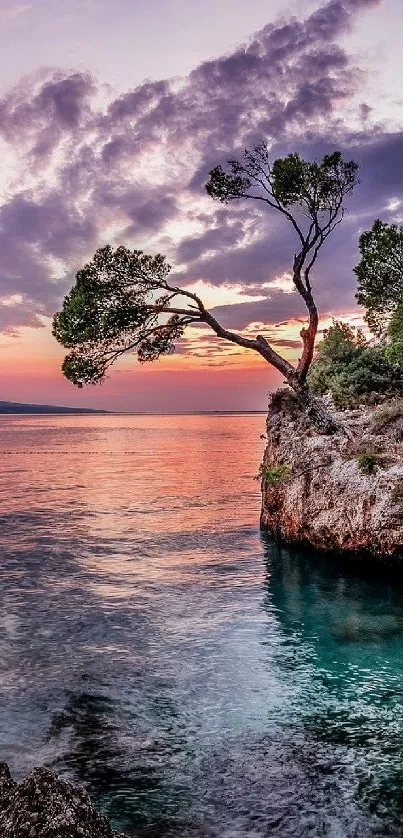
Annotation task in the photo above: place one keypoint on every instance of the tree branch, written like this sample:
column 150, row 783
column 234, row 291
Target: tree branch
column 258, row 344
column 111, row 355
column 277, row 206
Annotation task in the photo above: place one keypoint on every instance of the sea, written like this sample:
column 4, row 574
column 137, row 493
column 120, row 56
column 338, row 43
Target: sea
column 196, row 677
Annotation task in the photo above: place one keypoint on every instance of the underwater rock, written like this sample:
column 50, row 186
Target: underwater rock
column 45, row 806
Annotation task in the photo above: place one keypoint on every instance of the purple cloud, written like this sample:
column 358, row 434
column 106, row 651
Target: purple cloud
column 132, row 170
column 48, row 107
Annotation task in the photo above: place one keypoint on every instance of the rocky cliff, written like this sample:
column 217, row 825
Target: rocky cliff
column 341, row 492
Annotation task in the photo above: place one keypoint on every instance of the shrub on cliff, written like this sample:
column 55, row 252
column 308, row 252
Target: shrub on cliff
column 274, row 474
column 394, row 336
column 367, row 462
column 352, row 371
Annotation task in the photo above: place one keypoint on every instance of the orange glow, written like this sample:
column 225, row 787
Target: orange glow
column 206, row 373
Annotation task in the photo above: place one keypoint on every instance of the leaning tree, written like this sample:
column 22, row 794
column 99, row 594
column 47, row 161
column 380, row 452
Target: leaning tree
column 123, row 301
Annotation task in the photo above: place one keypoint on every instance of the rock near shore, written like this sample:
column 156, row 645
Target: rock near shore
column 45, row 806
column 342, row 492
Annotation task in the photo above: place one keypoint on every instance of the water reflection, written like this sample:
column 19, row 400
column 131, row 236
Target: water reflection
column 125, row 778
column 195, row 677
column 348, row 626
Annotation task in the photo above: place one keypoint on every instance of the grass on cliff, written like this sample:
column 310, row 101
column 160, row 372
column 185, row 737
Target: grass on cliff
column 388, row 419
column 274, row 474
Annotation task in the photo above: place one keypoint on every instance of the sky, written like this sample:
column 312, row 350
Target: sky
column 112, row 113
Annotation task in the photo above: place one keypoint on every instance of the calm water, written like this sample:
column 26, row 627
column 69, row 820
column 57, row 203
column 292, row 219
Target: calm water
column 154, row 646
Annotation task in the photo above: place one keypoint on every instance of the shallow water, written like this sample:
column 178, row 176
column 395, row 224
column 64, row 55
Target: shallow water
column 156, row 647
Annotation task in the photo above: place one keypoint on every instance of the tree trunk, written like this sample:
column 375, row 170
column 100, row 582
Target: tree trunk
column 323, row 421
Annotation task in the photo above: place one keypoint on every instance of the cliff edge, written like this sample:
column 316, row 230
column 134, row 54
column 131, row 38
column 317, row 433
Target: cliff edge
column 342, row 492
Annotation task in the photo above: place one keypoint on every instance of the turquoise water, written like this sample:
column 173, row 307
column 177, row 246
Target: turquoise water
column 198, row 679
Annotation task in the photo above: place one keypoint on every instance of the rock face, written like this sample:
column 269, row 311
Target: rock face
column 44, row 806
column 341, row 492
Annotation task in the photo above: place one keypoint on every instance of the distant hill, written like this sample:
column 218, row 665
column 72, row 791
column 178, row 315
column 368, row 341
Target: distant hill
column 16, row 407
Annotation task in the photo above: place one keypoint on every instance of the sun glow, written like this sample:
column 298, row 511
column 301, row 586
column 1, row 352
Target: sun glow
column 222, row 295
column 283, row 282
column 11, row 300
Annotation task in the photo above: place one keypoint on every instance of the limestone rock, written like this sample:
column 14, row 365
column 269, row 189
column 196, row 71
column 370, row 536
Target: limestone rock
column 327, row 498
column 45, row 806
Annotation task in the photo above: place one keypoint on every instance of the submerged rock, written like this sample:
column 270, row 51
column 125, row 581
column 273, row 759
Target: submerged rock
column 45, row 806
column 342, row 492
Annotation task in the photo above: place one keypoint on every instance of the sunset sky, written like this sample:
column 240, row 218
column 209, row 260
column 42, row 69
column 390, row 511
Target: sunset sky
column 112, row 113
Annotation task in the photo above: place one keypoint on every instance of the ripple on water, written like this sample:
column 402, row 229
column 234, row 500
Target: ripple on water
column 197, row 679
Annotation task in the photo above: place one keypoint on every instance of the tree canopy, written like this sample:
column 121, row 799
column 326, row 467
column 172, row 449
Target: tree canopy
column 123, row 302
column 114, row 308
column 318, row 188
column 380, row 274
column 310, row 195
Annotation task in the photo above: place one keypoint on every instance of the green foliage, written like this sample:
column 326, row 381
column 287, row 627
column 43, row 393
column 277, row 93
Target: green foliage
column 352, row 371
column 115, row 307
column 342, row 391
column 340, row 343
column 367, row 462
column 380, row 274
column 394, row 353
column 226, row 187
column 316, row 187
column 274, row 474
column 395, row 327
column 290, row 177
column 394, row 338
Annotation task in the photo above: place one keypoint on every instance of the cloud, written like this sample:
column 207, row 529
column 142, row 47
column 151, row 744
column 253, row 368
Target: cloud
column 132, row 170
column 14, row 10
column 59, row 102
column 35, row 237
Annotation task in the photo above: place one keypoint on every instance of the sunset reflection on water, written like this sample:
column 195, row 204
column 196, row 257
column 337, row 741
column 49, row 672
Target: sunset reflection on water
column 196, row 678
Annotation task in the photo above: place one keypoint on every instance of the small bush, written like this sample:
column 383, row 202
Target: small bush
column 344, row 397
column 394, row 352
column 353, row 371
column 275, row 474
column 367, row 462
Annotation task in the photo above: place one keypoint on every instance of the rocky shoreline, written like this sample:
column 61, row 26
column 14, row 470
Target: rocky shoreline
column 45, row 806
column 340, row 493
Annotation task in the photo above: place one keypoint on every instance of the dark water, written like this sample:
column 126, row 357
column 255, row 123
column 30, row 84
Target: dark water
column 154, row 646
